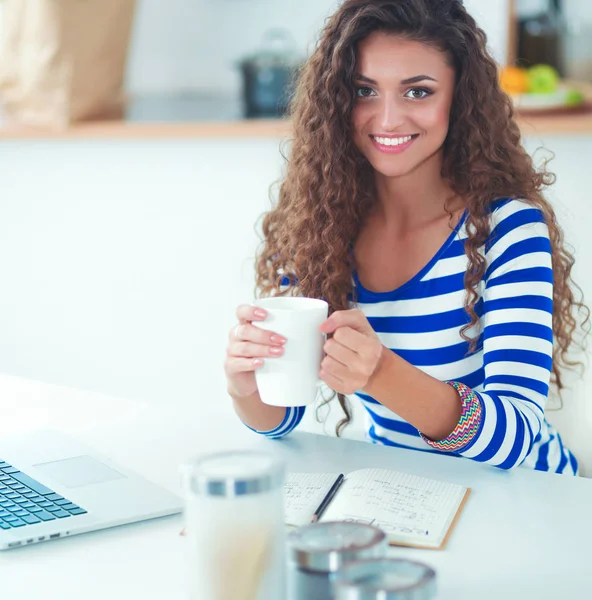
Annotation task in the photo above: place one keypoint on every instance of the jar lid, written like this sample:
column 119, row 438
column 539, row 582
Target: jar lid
column 326, row 547
column 236, row 473
column 385, row 579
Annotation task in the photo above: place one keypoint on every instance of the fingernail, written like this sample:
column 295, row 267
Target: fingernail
column 276, row 351
column 278, row 339
column 257, row 362
column 259, row 312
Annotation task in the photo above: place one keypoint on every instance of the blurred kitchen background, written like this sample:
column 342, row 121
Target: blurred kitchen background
column 190, row 46
column 190, row 59
column 128, row 213
column 198, row 50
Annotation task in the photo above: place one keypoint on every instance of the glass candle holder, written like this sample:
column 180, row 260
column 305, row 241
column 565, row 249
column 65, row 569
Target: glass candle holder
column 234, row 526
column 316, row 552
column 385, row 579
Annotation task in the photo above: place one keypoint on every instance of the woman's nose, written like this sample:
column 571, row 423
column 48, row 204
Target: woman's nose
column 391, row 115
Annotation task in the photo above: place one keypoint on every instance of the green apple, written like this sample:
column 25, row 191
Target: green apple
column 574, row 98
column 543, row 79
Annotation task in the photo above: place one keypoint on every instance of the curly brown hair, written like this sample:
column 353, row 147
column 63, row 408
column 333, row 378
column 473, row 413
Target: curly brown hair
column 328, row 188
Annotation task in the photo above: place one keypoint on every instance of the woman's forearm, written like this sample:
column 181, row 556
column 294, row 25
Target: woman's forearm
column 256, row 414
column 433, row 407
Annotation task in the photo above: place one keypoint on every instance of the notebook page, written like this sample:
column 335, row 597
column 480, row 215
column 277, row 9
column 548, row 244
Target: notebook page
column 303, row 493
column 409, row 509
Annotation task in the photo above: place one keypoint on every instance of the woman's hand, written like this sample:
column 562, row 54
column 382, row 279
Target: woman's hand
column 353, row 353
column 247, row 346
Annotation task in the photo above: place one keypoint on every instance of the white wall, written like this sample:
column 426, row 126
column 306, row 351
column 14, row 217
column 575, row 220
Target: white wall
column 194, row 45
column 121, row 263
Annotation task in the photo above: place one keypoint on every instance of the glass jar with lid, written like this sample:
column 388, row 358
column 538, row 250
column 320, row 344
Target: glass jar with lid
column 316, row 552
column 234, row 526
column 269, row 75
column 385, row 579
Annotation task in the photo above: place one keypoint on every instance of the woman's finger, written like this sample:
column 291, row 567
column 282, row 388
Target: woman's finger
column 335, row 368
column 333, row 382
column 339, row 352
column 251, row 333
column 243, row 365
column 353, row 318
column 350, row 338
column 247, row 312
column 251, row 350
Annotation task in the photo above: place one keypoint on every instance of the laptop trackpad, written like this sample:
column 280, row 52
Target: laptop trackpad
column 78, row 471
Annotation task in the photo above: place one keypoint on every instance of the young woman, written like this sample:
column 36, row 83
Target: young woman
column 410, row 206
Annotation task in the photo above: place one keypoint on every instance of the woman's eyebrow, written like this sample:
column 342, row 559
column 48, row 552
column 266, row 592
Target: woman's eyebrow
column 416, row 79
column 365, row 79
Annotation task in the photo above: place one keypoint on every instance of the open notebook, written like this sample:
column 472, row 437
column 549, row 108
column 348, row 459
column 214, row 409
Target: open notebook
column 411, row 510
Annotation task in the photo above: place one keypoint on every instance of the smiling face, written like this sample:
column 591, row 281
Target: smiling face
column 404, row 92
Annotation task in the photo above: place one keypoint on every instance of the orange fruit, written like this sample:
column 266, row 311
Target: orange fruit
column 514, row 80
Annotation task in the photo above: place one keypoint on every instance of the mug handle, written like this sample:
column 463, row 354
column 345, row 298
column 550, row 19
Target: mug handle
column 320, row 382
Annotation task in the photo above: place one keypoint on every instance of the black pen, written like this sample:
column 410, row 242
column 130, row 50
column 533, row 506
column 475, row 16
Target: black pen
column 330, row 494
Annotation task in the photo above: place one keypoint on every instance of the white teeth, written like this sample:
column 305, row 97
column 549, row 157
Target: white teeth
column 393, row 141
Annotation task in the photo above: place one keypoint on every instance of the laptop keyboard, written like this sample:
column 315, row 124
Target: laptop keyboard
column 24, row 501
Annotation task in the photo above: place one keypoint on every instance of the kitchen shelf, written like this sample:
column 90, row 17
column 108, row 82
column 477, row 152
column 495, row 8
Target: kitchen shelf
column 124, row 130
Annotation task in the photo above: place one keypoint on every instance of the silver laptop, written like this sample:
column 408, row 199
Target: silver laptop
column 52, row 486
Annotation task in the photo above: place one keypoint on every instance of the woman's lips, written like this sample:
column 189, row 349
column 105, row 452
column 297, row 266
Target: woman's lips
column 393, row 144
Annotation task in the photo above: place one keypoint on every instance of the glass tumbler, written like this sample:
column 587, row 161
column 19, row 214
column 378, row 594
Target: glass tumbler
column 234, row 526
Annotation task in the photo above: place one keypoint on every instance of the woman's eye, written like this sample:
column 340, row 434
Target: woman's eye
column 364, row 92
column 418, row 93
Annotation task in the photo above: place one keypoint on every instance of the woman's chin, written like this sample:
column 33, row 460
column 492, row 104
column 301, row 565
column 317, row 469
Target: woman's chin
column 399, row 165
column 392, row 170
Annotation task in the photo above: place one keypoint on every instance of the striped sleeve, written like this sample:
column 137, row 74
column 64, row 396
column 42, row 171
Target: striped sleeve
column 291, row 420
column 517, row 336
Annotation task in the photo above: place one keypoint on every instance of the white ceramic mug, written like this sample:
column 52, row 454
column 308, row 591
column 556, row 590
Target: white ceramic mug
column 293, row 378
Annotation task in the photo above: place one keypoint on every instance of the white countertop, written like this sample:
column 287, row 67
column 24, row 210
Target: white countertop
column 521, row 535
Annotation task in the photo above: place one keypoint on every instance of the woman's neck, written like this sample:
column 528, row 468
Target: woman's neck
column 412, row 199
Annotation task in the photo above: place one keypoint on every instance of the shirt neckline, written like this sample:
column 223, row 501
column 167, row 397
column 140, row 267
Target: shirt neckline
column 392, row 294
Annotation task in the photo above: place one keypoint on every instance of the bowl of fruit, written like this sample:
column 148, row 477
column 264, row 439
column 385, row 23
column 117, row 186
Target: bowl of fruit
column 541, row 89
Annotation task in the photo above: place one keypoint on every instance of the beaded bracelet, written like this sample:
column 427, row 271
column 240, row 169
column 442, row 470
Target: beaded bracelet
column 468, row 426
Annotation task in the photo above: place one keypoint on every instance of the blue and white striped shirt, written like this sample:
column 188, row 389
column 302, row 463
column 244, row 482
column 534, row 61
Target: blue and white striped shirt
column 510, row 371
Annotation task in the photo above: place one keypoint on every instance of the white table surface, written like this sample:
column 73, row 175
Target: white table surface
column 521, row 535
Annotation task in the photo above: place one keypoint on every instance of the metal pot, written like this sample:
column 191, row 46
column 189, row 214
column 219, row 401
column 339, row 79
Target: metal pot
column 269, row 76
